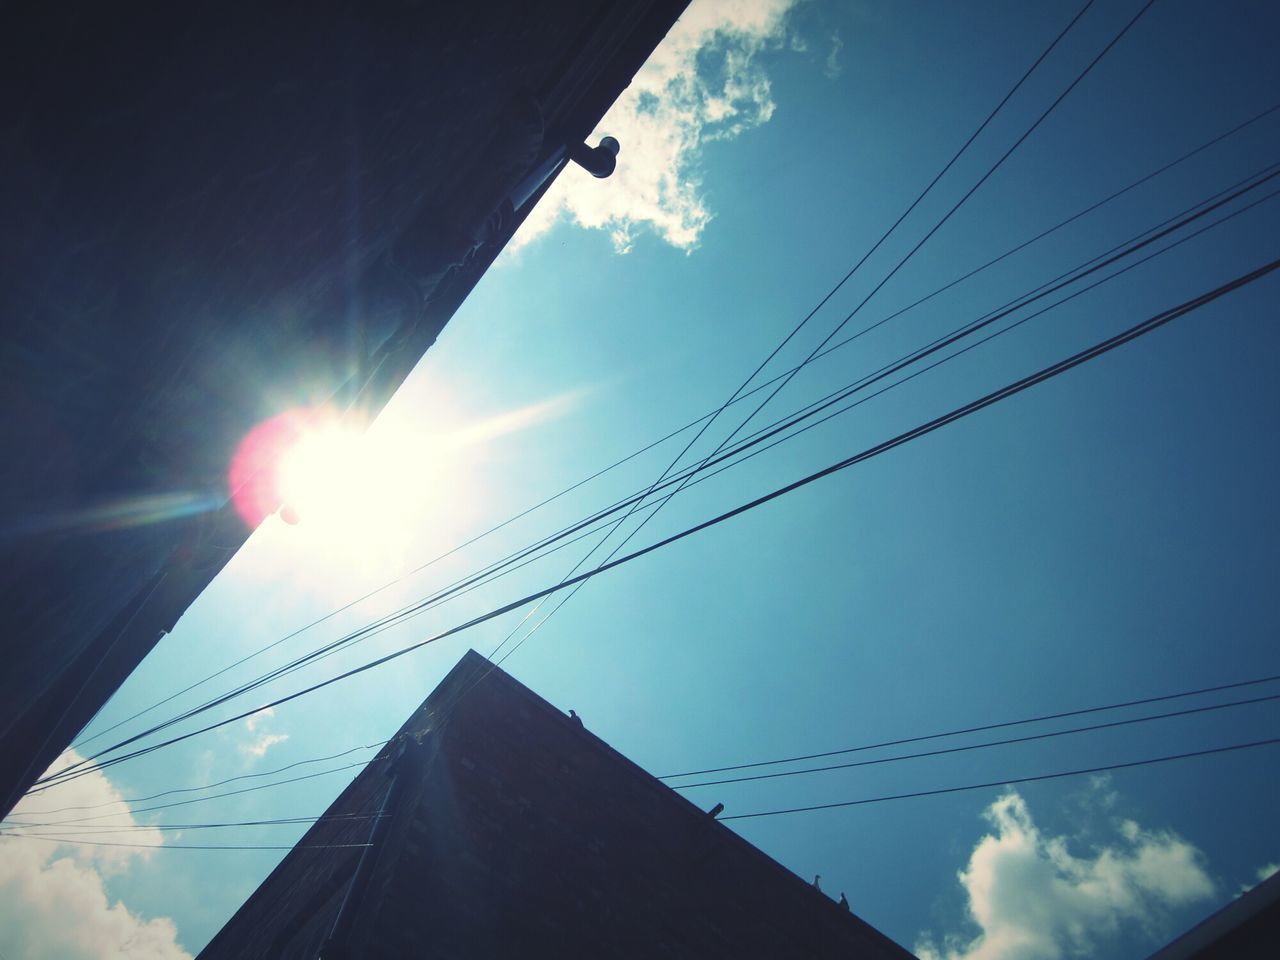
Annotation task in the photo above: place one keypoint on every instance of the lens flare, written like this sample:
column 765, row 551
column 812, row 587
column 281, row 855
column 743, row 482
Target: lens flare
column 352, row 496
column 326, row 472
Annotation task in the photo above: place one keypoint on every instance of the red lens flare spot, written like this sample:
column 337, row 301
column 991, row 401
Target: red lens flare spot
column 254, row 475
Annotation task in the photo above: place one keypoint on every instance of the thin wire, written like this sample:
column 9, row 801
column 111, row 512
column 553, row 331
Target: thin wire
column 982, row 728
column 942, row 751
column 208, row 786
column 1012, row 389
column 191, row 846
column 218, row 796
column 1009, row 781
column 457, row 589
column 139, row 827
column 1040, row 236
column 1189, row 711
column 1102, row 768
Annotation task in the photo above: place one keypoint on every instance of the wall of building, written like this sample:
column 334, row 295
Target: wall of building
column 520, row 833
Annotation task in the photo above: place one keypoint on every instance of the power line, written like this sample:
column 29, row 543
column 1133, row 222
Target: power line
column 618, row 463
column 1041, row 718
column 192, row 846
column 210, row 786
column 1009, row 781
column 142, row 827
column 218, row 796
column 982, row 728
column 1012, row 389
column 942, row 751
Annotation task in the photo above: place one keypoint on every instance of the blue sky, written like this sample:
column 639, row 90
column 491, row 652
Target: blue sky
column 1109, row 535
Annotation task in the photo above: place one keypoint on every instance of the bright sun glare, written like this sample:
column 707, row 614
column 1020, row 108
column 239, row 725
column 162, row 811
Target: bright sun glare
column 356, row 499
column 352, row 495
column 353, row 487
column 324, row 474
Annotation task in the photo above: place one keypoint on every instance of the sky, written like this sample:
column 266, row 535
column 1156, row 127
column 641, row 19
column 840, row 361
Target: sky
column 1106, row 536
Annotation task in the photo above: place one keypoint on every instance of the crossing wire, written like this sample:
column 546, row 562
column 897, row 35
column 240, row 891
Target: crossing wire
column 1007, row 781
column 192, row 846
column 219, row 796
column 944, row 751
column 937, row 791
column 1040, row 718
column 981, row 728
column 208, row 786
column 26, row 827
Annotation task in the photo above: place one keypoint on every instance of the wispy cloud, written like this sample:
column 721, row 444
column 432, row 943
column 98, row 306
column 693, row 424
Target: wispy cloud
column 252, row 723
column 259, row 747
column 53, row 898
column 1031, row 898
column 263, row 742
column 1265, row 872
column 703, row 83
column 833, row 67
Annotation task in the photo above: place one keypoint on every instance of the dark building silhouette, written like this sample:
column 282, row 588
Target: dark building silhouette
column 509, row 830
column 1247, row 928
column 209, row 215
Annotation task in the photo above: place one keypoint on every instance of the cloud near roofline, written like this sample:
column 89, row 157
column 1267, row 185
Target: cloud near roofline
column 54, row 901
column 258, row 747
column 702, row 84
column 1031, row 898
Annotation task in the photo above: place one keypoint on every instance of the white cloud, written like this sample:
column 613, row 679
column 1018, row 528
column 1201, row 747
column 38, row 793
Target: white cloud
column 251, row 724
column 259, row 747
column 53, row 899
column 703, row 83
column 1033, row 899
column 833, row 67
column 1265, row 872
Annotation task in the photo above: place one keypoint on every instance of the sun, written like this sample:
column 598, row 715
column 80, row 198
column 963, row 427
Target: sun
column 356, row 494
column 350, row 495
column 325, row 475
column 339, row 496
